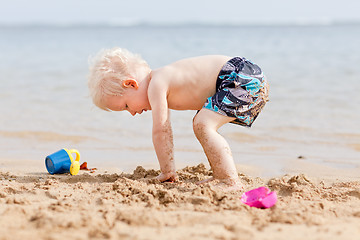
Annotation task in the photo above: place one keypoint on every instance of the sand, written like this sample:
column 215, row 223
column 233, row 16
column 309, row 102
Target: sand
column 105, row 205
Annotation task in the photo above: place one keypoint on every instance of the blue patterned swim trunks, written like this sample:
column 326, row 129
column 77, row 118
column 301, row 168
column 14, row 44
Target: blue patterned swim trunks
column 241, row 91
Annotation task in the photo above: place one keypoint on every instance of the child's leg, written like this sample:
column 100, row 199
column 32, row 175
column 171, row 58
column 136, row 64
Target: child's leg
column 205, row 124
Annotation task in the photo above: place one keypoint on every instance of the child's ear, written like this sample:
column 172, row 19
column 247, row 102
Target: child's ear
column 130, row 83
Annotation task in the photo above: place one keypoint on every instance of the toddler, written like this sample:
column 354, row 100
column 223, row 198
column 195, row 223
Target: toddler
column 220, row 88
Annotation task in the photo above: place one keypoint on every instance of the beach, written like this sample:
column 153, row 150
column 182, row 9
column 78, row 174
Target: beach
column 304, row 145
column 115, row 205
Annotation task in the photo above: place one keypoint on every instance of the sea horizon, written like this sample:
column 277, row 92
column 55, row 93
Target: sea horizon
column 176, row 24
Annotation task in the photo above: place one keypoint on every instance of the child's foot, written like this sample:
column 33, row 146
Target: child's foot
column 230, row 187
column 167, row 177
column 202, row 182
column 226, row 185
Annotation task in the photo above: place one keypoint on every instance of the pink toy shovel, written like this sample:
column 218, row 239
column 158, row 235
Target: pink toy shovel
column 260, row 197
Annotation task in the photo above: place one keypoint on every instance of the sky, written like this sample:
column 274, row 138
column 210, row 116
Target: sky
column 118, row 12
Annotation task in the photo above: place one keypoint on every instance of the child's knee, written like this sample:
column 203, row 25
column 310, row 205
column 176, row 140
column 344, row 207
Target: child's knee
column 200, row 126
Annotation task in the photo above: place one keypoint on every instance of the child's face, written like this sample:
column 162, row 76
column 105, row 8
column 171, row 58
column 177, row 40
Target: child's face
column 135, row 101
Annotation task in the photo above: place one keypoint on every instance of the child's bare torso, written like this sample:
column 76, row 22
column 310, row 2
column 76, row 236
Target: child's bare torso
column 190, row 81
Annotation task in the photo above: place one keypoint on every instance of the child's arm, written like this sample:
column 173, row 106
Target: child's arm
column 162, row 133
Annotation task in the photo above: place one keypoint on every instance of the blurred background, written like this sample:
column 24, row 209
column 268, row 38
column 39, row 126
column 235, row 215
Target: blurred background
column 308, row 50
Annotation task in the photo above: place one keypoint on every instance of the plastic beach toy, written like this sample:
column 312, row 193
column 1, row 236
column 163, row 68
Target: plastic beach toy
column 62, row 161
column 260, row 197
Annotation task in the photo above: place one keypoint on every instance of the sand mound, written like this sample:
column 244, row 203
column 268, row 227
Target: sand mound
column 136, row 206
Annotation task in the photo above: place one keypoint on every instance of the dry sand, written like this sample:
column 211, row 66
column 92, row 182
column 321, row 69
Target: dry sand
column 135, row 206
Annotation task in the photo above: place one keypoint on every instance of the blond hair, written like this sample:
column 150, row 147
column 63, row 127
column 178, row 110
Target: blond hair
column 107, row 71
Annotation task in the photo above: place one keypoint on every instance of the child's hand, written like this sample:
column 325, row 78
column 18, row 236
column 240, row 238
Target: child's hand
column 169, row 177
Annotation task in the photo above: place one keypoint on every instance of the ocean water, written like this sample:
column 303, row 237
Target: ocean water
column 313, row 112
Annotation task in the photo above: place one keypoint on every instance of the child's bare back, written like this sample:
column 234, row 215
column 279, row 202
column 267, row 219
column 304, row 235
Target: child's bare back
column 190, row 81
column 220, row 88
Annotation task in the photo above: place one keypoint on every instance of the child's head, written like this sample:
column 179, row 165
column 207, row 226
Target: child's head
column 108, row 69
